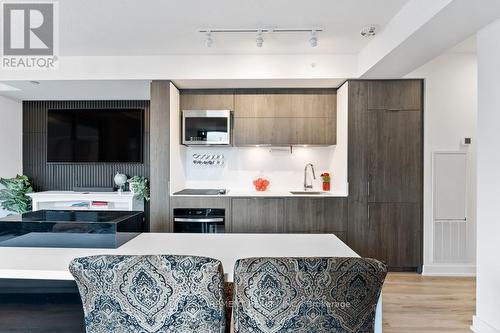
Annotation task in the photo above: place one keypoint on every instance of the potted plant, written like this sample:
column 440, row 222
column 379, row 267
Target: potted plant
column 13, row 197
column 326, row 181
column 139, row 186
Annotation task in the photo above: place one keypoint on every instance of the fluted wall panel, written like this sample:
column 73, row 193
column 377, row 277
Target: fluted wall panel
column 65, row 176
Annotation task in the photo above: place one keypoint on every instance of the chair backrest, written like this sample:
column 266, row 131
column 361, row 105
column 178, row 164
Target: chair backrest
column 306, row 294
column 159, row 293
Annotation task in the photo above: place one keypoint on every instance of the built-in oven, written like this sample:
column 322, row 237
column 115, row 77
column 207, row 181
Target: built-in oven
column 196, row 220
column 206, row 127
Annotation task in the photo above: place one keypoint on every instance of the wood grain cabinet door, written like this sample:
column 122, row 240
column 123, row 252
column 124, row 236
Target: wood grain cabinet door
column 285, row 117
column 395, row 95
column 284, row 131
column 207, row 100
column 315, row 216
column 397, row 229
column 257, row 215
column 285, row 103
column 394, row 156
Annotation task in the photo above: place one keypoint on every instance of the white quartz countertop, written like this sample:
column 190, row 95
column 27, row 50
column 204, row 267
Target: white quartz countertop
column 52, row 263
column 274, row 193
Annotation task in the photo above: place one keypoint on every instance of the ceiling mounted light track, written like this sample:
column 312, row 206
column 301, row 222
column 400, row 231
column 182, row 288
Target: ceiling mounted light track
column 259, row 39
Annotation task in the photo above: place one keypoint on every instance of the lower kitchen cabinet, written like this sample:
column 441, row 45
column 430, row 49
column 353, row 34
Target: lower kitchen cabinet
column 257, row 215
column 316, row 216
column 290, row 215
column 396, row 229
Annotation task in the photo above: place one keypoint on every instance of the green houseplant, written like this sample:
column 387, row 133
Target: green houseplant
column 13, row 197
column 140, row 187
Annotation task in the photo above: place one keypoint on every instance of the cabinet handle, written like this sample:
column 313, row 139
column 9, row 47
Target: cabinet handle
column 393, row 110
column 368, row 187
column 368, row 214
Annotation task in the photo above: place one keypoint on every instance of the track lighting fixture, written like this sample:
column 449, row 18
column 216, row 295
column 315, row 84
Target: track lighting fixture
column 313, row 40
column 208, row 39
column 260, row 39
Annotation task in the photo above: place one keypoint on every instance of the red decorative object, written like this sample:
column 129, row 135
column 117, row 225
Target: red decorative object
column 261, row 184
column 326, row 186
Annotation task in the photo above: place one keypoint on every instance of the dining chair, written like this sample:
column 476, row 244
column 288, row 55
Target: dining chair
column 150, row 293
column 306, row 294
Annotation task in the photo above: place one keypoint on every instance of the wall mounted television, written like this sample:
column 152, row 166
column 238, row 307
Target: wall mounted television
column 95, row 135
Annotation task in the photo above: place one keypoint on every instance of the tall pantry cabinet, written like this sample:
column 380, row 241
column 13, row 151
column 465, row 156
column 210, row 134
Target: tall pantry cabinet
column 385, row 171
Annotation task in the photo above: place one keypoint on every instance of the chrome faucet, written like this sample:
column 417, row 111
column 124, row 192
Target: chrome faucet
column 310, row 186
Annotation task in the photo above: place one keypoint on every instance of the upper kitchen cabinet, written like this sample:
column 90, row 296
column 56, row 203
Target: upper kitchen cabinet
column 284, row 131
column 285, row 117
column 285, row 103
column 395, row 95
column 211, row 99
column 279, row 117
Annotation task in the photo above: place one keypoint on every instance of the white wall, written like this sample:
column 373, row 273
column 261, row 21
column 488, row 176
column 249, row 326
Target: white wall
column 285, row 170
column 11, row 127
column 284, row 167
column 487, row 319
column 450, row 111
column 11, row 148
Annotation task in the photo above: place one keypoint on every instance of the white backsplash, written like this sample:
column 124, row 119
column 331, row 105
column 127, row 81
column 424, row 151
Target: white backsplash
column 242, row 165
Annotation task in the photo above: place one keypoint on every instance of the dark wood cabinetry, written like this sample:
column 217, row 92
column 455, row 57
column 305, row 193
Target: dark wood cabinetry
column 213, row 99
column 394, row 156
column 395, row 95
column 385, row 171
column 283, row 131
column 316, row 216
column 290, row 215
column 257, row 215
column 397, row 231
column 272, row 116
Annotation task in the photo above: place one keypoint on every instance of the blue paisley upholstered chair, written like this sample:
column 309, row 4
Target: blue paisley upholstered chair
column 145, row 294
column 306, row 294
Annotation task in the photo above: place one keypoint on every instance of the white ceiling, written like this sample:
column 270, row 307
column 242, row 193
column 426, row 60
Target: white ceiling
column 78, row 90
column 160, row 27
column 135, row 89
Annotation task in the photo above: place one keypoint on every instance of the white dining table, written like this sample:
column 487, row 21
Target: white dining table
column 52, row 263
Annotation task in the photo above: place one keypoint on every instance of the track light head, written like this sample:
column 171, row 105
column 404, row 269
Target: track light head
column 208, row 39
column 259, row 41
column 313, row 40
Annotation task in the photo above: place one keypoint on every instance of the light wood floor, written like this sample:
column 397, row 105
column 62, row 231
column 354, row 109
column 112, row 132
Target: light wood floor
column 415, row 303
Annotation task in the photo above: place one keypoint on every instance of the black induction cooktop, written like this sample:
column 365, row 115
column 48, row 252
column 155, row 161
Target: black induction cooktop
column 190, row 191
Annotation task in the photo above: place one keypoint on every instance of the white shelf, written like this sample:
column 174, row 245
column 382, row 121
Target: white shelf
column 63, row 200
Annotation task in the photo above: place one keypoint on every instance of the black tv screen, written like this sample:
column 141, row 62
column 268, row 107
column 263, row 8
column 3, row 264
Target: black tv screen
column 96, row 135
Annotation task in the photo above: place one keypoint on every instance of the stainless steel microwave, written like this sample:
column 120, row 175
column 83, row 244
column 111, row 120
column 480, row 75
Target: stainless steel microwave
column 206, row 127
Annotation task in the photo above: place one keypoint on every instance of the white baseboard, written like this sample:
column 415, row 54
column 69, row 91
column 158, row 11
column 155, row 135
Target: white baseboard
column 479, row 326
column 449, row 270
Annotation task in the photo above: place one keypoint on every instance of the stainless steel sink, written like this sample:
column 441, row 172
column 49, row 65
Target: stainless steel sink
column 306, row 192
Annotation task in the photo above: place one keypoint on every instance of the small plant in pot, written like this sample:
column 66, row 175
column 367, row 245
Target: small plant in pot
column 326, row 181
column 139, row 186
column 13, row 196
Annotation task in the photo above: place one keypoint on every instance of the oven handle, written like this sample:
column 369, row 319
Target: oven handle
column 179, row 219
